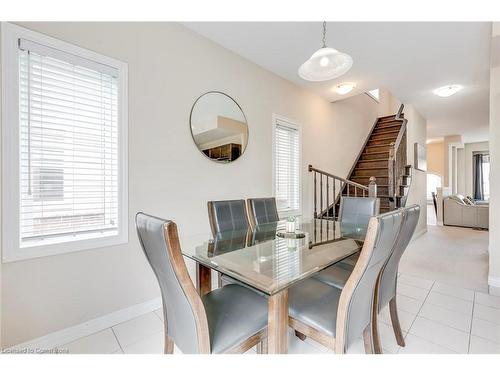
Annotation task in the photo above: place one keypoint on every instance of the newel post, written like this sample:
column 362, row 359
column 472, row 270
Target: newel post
column 391, row 165
column 372, row 187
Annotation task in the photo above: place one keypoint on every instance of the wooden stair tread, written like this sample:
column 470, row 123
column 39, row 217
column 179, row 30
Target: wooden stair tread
column 373, row 160
column 374, row 152
column 384, row 139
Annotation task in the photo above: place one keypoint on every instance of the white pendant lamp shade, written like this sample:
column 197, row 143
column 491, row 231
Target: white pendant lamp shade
column 325, row 64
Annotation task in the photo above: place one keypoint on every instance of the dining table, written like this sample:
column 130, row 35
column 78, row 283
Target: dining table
column 270, row 260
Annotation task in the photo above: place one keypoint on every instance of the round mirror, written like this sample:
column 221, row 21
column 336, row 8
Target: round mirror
column 219, row 127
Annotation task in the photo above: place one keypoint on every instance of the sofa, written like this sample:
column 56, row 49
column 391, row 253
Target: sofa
column 462, row 212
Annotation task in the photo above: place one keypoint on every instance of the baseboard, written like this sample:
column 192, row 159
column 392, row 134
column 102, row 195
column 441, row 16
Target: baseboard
column 494, row 281
column 494, row 286
column 78, row 331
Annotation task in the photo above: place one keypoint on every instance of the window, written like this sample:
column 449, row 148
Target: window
column 286, row 171
column 374, row 94
column 433, row 182
column 481, row 171
column 64, row 147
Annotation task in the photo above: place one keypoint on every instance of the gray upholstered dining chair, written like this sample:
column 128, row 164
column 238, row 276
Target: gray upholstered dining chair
column 231, row 319
column 337, row 317
column 386, row 289
column 227, row 215
column 354, row 214
column 262, row 211
column 385, row 292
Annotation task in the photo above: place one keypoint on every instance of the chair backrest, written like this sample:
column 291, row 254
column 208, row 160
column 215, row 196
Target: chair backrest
column 388, row 279
column 356, row 300
column 262, row 211
column 355, row 213
column 225, row 242
column 263, row 233
column 184, row 315
column 227, row 215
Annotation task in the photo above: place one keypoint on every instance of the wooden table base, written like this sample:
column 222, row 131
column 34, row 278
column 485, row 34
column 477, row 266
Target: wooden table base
column 203, row 279
column 277, row 320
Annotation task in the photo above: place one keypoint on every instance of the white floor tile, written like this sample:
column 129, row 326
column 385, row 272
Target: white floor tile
column 454, row 291
column 418, row 345
column 405, row 318
column 450, row 303
column 486, row 330
column 297, row 346
column 408, row 304
column 478, row 345
column 412, row 291
column 487, row 313
column 137, row 329
column 415, row 281
column 447, row 317
column 440, row 334
column 357, row 347
column 152, row 344
column 387, row 338
column 488, row 300
column 103, row 342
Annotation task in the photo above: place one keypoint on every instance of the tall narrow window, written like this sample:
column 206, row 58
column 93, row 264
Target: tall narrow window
column 287, row 155
column 69, row 142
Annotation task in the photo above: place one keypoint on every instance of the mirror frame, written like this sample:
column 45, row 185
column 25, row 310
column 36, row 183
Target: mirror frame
column 243, row 149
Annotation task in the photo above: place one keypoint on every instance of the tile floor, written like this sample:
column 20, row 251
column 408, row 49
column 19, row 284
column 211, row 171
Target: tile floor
column 435, row 317
column 442, row 302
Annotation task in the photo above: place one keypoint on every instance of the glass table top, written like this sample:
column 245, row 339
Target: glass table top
column 270, row 263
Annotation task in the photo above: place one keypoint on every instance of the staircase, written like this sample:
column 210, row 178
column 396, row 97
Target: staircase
column 382, row 156
column 382, row 151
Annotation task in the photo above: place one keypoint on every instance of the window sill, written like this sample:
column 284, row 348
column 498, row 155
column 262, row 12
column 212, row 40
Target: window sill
column 16, row 253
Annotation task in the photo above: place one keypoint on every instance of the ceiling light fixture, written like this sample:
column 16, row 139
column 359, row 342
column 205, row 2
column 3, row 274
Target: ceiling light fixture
column 344, row 88
column 446, row 91
column 325, row 64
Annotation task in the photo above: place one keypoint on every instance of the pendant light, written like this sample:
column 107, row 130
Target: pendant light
column 325, row 64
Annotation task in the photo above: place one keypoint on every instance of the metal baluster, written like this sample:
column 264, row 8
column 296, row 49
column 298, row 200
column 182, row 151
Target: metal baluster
column 327, row 195
column 321, row 195
column 315, row 209
column 334, row 206
column 327, row 206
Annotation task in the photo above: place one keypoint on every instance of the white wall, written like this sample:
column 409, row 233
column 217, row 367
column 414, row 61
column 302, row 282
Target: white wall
column 169, row 67
column 416, row 132
column 494, row 235
column 1, row 335
column 435, row 158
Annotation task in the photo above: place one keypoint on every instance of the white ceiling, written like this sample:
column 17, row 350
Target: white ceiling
column 410, row 59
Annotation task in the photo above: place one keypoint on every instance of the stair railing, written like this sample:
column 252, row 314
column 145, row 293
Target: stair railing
column 328, row 189
column 397, row 160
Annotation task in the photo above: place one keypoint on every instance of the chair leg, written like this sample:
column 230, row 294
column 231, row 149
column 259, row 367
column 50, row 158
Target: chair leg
column 393, row 309
column 375, row 336
column 169, row 345
column 300, row 335
column 262, row 347
column 367, row 338
column 377, row 345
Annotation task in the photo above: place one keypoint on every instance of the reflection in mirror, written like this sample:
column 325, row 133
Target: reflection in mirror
column 219, row 127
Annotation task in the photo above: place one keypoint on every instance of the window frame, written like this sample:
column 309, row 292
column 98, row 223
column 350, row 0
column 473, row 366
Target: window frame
column 11, row 242
column 294, row 125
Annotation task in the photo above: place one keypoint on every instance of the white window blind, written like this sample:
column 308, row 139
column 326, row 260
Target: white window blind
column 68, row 134
column 287, row 167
